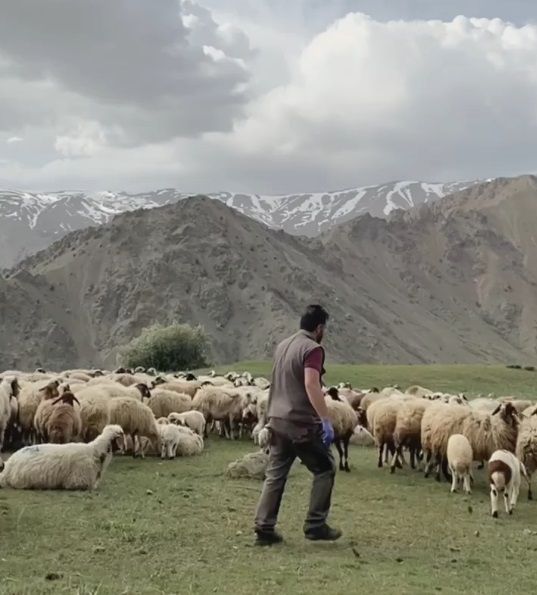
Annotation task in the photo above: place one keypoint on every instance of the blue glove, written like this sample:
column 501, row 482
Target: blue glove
column 328, row 432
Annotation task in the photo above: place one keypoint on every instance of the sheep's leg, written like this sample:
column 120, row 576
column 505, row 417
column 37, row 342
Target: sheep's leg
column 445, row 469
column 427, row 468
column 438, row 468
column 514, row 497
column 494, row 500
column 412, row 457
column 346, row 441
column 169, row 450
column 381, row 449
column 134, row 445
column 530, row 493
column 507, row 500
column 467, row 486
column 395, row 456
column 454, row 480
column 340, row 453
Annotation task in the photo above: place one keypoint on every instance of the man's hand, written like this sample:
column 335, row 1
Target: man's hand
column 328, row 432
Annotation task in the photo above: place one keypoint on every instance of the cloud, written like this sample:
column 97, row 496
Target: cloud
column 14, row 139
column 125, row 64
column 357, row 101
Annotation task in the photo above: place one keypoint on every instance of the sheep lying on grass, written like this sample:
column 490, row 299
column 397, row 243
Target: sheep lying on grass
column 73, row 466
column 250, row 466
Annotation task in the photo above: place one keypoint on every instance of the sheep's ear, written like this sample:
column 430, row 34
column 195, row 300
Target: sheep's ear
column 535, row 412
column 497, row 410
column 76, row 400
column 57, row 400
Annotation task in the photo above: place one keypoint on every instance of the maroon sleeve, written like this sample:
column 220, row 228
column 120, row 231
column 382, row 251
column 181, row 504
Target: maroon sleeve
column 314, row 359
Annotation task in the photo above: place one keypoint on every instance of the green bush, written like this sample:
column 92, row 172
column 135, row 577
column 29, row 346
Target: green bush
column 167, row 348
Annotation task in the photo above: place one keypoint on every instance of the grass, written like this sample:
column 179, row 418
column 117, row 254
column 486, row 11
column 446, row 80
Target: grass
column 182, row 527
column 471, row 379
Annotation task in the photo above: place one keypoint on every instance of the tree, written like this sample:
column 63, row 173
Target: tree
column 167, row 348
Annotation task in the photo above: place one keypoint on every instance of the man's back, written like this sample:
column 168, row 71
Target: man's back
column 288, row 398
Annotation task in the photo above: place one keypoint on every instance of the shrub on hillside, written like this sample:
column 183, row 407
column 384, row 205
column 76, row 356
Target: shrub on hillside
column 175, row 347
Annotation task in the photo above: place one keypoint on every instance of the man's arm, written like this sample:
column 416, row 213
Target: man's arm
column 312, row 381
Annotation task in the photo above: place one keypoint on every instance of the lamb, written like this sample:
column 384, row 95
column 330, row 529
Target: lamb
column 526, row 447
column 344, row 420
column 504, row 471
column 9, row 388
column 459, row 458
column 190, row 443
column 251, row 466
column 192, row 419
column 74, row 466
column 419, row 391
column 162, row 402
column 64, row 424
column 136, row 419
column 169, row 436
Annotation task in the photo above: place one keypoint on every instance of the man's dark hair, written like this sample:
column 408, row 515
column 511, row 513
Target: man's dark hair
column 313, row 317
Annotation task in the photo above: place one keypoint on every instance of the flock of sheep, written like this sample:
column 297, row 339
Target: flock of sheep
column 64, row 426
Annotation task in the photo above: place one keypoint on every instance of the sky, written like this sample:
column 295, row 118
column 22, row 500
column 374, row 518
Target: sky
column 264, row 96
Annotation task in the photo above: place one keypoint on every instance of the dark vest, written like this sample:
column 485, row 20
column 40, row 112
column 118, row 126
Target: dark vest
column 288, row 399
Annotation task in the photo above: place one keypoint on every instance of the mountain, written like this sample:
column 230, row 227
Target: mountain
column 30, row 222
column 451, row 281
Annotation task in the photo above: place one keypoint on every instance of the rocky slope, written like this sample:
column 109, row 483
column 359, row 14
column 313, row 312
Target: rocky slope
column 30, row 222
column 453, row 281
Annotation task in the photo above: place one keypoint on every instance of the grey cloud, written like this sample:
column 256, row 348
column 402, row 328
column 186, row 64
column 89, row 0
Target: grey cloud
column 129, row 61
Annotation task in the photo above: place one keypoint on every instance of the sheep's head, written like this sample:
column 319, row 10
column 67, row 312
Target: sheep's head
column 120, row 370
column 151, row 371
column 66, row 388
column 158, row 380
column 96, row 373
column 68, row 398
column 374, row 390
column 362, row 417
column 144, row 391
column 174, row 418
column 139, row 370
column 207, row 383
column 333, row 393
column 190, row 377
column 507, row 413
column 40, row 371
column 15, row 388
column 114, row 436
column 50, row 391
column 163, row 421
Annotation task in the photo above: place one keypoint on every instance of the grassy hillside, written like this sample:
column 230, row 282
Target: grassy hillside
column 472, row 380
column 181, row 527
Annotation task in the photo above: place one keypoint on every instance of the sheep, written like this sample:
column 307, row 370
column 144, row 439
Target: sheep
column 344, row 420
column 162, row 402
column 490, row 432
column 407, row 430
column 73, row 466
column 135, row 418
column 184, row 388
column 192, row 419
column 484, row 404
column 9, row 388
column 369, row 399
column 418, row 391
column 169, row 437
column 251, row 466
column 459, row 458
column 362, row 437
column 139, row 390
column 504, row 472
column 29, row 398
column 519, row 404
column 526, row 446
column 217, row 404
column 43, row 413
column 190, row 443
column 163, row 420
column 64, row 424
column 381, row 419
column 439, row 421
column 94, row 412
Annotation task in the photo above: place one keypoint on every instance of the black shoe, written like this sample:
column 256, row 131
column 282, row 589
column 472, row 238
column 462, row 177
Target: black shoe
column 323, row 533
column 268, row 538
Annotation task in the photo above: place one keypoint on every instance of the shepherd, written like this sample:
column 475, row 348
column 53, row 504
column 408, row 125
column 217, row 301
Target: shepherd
column 299, row 427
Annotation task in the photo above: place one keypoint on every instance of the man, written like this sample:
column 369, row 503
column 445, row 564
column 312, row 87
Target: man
column 299, row 427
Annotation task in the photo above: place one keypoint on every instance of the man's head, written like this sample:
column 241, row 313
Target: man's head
column 314, row 321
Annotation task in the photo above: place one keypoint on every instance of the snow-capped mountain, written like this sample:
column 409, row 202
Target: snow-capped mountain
column 31, row 221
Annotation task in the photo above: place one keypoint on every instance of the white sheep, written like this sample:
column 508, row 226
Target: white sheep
column 526, row 446
column 192, row 419
column 217, row 404
column 505, row 472
column 73, row 466
column 9, row 388
column 136, row 419
column 169, row 437
column 460, row 458
column 162, row 402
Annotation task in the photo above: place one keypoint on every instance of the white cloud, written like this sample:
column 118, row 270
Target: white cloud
column 14, row 139
column 361, row 101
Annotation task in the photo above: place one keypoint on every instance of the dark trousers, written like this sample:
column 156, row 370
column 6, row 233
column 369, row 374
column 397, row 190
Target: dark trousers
column 285, row 447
